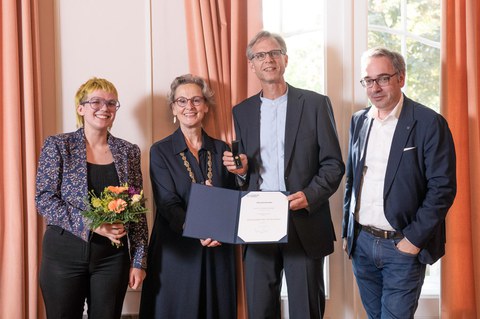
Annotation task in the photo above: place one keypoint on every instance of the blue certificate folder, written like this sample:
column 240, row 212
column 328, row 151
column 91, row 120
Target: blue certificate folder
column 213, row 212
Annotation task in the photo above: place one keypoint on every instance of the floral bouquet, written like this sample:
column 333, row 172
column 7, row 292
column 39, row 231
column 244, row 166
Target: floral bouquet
column 116, row 204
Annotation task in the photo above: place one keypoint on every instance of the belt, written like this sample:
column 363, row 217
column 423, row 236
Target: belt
column 377, row 232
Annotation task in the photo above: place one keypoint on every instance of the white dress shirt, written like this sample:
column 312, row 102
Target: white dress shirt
column 370, row 208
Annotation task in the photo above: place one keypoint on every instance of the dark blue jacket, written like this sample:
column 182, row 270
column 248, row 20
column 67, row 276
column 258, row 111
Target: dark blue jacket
column 420, row 181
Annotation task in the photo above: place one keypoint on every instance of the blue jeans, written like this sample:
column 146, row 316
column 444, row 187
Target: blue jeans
column 389, row 280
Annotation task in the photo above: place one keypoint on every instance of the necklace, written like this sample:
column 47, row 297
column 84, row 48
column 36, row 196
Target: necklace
column 189, row 169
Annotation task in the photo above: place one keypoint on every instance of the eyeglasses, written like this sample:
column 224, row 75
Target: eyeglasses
column 196, row 101
column 96, row 104
column 260, row 56
column 382, row 80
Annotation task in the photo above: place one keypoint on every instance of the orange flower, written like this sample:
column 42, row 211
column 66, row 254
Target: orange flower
column 117, row 205
column 117, row 189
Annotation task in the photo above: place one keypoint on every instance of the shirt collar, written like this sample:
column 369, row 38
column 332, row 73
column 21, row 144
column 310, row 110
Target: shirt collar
column 279, row 99
column 179, row 144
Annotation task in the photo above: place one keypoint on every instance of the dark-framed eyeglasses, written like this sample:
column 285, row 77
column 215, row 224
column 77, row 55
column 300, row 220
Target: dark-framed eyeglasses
column 260, row 56
column 195, row 101
column 382, row 80
column 96, row 103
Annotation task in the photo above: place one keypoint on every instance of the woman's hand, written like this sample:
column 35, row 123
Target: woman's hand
column 210, row 242
column 136, row 277
column 114, row 232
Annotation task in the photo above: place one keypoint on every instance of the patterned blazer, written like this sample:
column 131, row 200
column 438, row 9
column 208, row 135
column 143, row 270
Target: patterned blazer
column 61, row 186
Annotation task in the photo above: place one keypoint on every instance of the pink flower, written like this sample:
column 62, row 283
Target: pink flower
column 117, row 205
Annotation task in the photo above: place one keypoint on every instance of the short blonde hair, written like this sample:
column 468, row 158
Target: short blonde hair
column 88, row 87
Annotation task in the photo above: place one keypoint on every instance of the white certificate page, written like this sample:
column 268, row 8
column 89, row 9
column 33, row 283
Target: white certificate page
column 263, row 217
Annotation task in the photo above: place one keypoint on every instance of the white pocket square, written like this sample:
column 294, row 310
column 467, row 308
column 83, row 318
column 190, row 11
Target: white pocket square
column 409, row 148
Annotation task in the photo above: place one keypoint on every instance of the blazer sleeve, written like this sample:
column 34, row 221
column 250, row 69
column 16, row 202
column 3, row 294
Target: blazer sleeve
column 49, row 199
column 331, row 168
column 137, row 232
column 169, row 203
column 440, row 176
column 347, row 199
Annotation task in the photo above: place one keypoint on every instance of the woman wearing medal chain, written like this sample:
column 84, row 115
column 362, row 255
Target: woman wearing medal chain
column 186, row 277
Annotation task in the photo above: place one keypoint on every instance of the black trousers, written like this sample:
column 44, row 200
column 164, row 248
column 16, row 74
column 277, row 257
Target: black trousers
column 264, row 265
column 72, row 271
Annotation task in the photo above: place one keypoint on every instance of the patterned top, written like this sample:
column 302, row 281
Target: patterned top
column 62, row 187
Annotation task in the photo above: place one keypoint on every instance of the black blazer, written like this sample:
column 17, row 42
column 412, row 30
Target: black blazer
column 170, row 179
column 420, row 181
column 313, row 160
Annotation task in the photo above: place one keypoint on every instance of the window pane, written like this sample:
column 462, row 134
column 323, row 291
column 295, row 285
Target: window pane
column 305, row 61
column 424, row 19
column 304, row 38
column 383, row 39
column 385, row 13
column 431, row 285
column 423, row 74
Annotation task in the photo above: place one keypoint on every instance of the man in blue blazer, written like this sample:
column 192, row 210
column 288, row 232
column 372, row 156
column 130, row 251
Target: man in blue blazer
column 290, row 140
column 400, row 183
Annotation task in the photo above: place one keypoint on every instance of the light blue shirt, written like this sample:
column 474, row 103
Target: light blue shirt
column 273, row 116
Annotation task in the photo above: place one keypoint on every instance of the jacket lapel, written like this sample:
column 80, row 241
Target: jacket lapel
column 295, row 104
column 78, row 166
column 405, row 125
column 254, row 128
column 362, row 142
column 119, row 158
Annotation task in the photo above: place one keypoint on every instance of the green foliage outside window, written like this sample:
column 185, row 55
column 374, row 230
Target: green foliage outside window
column 303, row 71
column 413, row 28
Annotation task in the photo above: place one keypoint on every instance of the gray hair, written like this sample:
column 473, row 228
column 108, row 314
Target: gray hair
column 191, row 79
column 395, row 58
column 265, row 35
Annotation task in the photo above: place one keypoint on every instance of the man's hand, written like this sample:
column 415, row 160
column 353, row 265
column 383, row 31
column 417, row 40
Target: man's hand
column 229, row 163
column 405, row 246
column 297, row 200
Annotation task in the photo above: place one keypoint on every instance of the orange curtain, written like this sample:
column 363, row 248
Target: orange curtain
column 218, row 32
column 20, row 226
column 460, row 105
